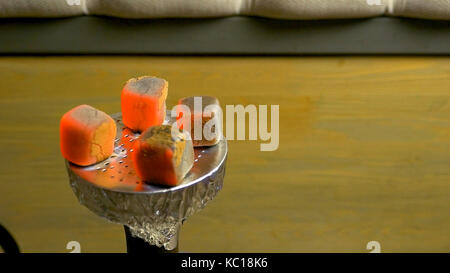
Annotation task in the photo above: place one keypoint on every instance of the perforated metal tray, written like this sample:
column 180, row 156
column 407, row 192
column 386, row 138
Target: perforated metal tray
column 112, row 190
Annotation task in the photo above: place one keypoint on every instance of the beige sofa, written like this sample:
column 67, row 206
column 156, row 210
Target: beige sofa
column 280, row 9
column 225, row 27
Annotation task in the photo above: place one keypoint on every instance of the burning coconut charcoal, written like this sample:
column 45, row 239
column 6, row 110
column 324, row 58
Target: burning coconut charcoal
column 163, row 157
column 143, row 102
column 87, row 135
column 201, row 117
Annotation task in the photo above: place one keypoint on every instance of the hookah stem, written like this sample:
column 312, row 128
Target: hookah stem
column 138, row 245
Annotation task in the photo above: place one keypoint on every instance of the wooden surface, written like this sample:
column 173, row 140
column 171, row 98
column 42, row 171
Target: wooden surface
column 364, row 152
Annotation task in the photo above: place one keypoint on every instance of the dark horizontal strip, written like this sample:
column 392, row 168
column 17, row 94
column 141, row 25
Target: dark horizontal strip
column 223, row 36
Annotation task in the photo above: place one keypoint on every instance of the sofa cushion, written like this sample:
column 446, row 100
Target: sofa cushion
column 280, row 9
column 164, row 8
column 427, row 9
column 41, row 8
column 317, row 9
column 286, row 9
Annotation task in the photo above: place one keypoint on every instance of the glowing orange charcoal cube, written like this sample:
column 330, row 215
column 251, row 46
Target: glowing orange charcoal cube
column 162, row 158
column 143, row 102
column 87, row 135
column 204, row 115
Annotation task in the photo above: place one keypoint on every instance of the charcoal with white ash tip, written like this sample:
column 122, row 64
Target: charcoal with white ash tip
column 111, row 189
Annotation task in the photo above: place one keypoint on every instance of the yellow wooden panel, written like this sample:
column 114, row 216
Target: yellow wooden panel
column 364, row 152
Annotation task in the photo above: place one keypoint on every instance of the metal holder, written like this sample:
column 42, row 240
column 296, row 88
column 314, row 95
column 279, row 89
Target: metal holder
column 152, row 213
